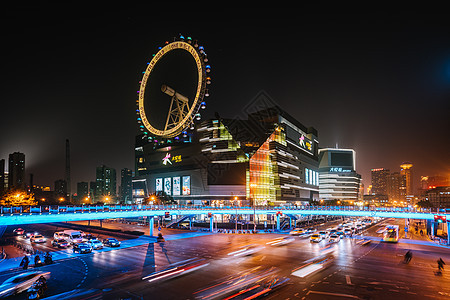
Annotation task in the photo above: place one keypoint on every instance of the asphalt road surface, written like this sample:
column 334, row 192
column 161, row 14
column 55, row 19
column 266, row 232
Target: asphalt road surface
column 352, row 270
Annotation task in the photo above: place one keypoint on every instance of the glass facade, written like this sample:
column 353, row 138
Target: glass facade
column 262, row 173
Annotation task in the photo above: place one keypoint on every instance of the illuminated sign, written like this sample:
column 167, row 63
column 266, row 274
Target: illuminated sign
column 342, row 170
column 186, row 185
column 176, row 186
column 168, row 159
column 168, row 186
column 159, row 184
column 305, row 143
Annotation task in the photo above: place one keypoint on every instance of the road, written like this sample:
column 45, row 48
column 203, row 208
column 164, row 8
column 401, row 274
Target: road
column 372, row 271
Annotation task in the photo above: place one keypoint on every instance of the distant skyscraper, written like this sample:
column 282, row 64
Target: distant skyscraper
column 82, row 191
column 67, row 173
column 396, row 187
column 16, row 170
column 126, row 185
column 106, row 183
column 406, row 170
column 380, row 181
column 2, row 176
column 61, row 188
column 92, row 190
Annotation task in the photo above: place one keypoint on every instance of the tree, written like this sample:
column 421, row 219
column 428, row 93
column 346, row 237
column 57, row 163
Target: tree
column 424, row 204
column 17, row 198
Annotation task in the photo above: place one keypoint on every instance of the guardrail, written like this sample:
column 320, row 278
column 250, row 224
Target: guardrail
column 58, row 209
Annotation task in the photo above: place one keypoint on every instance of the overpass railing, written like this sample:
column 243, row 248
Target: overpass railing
column 58, row 209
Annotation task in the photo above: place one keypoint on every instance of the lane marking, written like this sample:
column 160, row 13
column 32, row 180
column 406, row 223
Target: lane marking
column 347, row 279
column 333, row 294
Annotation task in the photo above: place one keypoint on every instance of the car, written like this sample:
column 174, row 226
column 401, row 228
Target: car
column 96, row 244
column 297, row 231
column 316, row 238
column 58, row 235
column 348, row 232
column 60, row 243
column 27, row 235
column 19, row 231
column 82, row 248
column 311, row 230
column 334, row 238
column 19, row 283
column 37, row 238
column 111, row 242
column 339, row 233
column 88, row 237
column 324, row 234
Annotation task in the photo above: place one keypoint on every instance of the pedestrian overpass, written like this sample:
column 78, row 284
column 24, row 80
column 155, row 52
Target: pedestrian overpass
column 50, row 214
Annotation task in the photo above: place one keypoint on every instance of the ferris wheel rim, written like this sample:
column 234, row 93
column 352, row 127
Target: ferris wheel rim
column 200, row 91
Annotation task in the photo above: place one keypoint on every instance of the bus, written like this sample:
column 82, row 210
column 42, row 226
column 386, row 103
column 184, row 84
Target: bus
column 391, row 233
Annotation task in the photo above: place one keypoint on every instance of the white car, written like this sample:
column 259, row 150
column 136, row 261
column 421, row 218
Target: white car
column 316, row 238
column 37, row 238
column 21, row 282
column 334, row 238
column 324, row 234
column 348, row 232
column 311, row 230
column 96, row 244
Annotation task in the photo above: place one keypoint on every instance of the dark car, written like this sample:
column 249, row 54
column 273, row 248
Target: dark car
column 60, row 243
column 82, row 248
column 111, row 242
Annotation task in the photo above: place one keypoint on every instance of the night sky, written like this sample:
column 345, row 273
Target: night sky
column 379, row 84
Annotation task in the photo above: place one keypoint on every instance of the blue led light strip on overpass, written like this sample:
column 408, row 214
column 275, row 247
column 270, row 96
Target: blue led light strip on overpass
column 18, row 216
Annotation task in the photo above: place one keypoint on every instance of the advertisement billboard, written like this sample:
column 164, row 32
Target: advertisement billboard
column 176, row 186
column 186, row 185
column 159, row 184
column 168, row 186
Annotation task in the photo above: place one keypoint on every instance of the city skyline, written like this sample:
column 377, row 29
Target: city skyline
column 345, row 84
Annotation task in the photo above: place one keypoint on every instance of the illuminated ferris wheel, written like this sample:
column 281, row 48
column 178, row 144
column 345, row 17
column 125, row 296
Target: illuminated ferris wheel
column 169, row 101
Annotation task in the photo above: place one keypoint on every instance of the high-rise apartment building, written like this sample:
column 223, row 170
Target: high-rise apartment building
column 406, row 170
column 106, row 183
column 396, row 187
column 16, row 169
column 82, row 191
column 61, row 188
column 126, row 186
column 380, row 181
column 2, row 176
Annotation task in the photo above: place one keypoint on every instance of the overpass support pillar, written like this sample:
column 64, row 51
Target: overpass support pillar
column 151, row 225
column 448, row 232
column 432, row 230
column 211, row 223
column 278, row 222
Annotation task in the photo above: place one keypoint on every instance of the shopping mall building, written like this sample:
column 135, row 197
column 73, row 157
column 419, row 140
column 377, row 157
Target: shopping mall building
column 266, row 158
